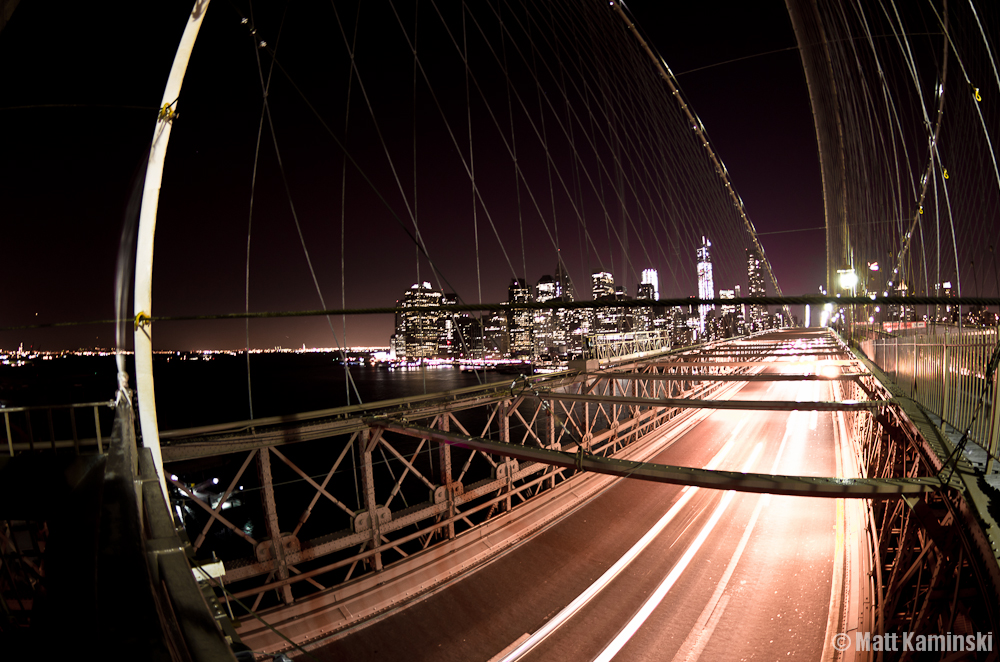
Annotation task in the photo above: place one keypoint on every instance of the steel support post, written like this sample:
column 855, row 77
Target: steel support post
column 550, row 434
column 945, row 395
column 271, row 516
column 10, row 440
column 550, row 422
column 504, row 422
column 444, row 466
column 97, row 427
column 992, row 443
column 368, row 443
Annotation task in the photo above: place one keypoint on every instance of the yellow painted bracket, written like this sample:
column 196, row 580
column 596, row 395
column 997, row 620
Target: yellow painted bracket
column 167, row 112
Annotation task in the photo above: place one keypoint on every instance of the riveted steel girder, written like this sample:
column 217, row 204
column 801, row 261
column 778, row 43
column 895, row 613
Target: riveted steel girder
column 836, row 488
column 754, row 405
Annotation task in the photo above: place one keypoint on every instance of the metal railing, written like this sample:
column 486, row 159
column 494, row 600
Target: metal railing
column 57, row 427
column 612, row 346
column 946, row 374
column 89, row 534
column 927, row 564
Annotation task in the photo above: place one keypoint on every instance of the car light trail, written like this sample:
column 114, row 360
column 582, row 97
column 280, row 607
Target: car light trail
column 654, row 600
column 581, row 600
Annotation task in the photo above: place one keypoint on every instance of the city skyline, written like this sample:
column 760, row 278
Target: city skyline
column 558, row 334
column 66, row 254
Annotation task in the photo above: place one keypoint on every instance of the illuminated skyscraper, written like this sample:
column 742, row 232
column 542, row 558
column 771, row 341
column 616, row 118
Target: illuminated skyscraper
column 564, row 284
column 418, row 331
column 651, row 277
column 603, row 285
column 520, row 321
column 544, row 319
column 755, row 278
column 642, row 318
column 706, row 286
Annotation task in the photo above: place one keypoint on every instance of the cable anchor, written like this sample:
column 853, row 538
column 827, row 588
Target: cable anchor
column 167, row 113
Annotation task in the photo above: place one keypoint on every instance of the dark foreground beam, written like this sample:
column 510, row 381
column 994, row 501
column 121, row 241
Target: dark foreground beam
column 830, row 488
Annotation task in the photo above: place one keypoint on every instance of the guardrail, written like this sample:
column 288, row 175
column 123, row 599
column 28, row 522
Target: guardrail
column 929, row 563
column 88, row 549
column 947, row 375
column 57, row 427
column 612, row 346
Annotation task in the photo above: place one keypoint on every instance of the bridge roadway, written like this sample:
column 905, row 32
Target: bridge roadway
column 741, row 576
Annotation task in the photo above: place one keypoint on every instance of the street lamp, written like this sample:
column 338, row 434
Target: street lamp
column 848, row 281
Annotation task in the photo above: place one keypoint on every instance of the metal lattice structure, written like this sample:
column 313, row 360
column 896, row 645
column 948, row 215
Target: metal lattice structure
column 386, row 492
column 931, row 564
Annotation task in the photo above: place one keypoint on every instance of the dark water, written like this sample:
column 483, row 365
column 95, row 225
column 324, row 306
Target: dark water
column 201, row 392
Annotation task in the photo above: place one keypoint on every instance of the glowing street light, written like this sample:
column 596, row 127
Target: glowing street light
column 848, row 278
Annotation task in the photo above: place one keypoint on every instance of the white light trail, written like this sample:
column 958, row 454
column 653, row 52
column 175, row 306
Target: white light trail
column 577, row 604
column 612, row 649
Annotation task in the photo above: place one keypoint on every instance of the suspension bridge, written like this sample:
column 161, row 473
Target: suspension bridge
column 684, row 482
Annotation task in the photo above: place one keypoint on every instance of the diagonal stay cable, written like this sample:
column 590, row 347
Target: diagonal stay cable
column 253, row 186
column 298, row 225
column 361, row 172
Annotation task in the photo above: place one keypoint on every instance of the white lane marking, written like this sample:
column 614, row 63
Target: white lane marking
column 512, row 646
column 576, row 605
column 704, row 627
column 698, row 639
column 612, row 649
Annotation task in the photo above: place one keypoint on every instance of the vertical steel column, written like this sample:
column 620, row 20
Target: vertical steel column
column 550, row 434
column 444, row 466
column 76, row 437
column 991, row 443
column 10, row 440
column 368, row 443
column 271, row 517
column 945, row 381
column 97, row 426
column 504, row 422
column 550, row 422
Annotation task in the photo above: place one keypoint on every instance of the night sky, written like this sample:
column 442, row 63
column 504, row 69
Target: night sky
column 78, row 97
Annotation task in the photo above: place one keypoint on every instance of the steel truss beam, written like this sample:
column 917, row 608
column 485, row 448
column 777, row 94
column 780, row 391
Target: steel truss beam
column 835, row 488
column 755, row 405
column 738, row 364
column 710, row 376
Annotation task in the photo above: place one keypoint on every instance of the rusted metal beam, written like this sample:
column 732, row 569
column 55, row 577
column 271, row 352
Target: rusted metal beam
column 864, row 488
column 735, row 364
column 693, row 377
column 754, row 405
